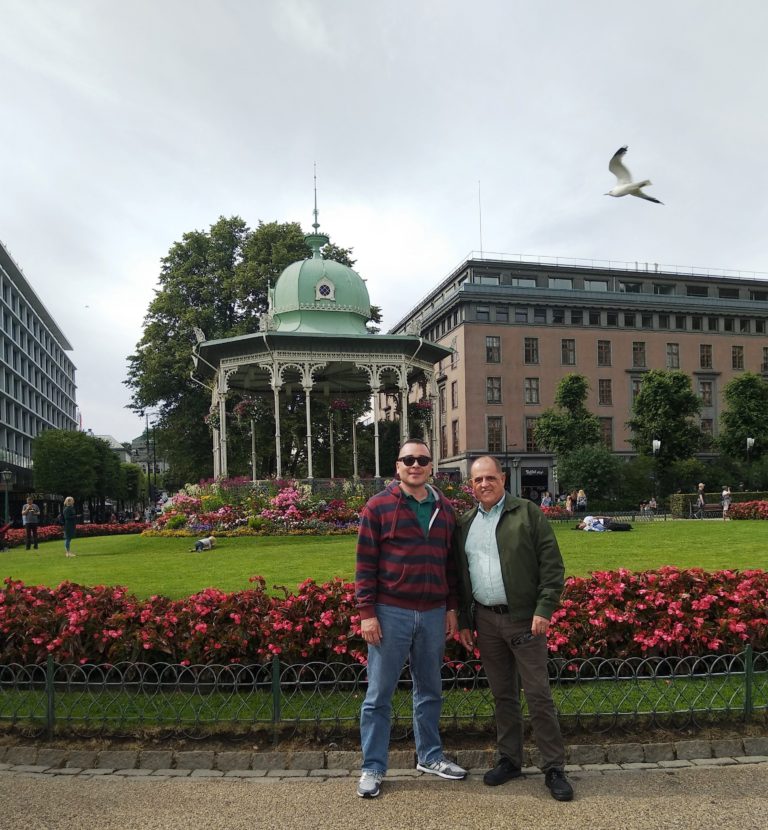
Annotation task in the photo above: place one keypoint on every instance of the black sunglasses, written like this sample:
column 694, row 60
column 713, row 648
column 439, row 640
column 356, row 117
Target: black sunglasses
column 410, row 460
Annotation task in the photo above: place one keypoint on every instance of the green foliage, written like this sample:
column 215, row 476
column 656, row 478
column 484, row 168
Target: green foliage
column 664, row 409
column 66, row 463
column 595, row 469
column 745, row 416
column 568, row 426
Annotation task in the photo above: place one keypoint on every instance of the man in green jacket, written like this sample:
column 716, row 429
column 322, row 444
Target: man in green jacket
column 511, row 577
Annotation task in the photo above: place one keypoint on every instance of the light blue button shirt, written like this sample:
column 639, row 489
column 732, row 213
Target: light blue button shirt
column 483, row 555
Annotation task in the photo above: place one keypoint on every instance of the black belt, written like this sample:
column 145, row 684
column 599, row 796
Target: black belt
column 497, row 609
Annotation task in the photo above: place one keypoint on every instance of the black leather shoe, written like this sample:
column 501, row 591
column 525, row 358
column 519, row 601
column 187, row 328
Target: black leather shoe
column 504, row 771
column 559, row 785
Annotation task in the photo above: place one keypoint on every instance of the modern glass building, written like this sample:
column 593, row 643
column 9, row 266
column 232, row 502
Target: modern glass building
column 37, row 379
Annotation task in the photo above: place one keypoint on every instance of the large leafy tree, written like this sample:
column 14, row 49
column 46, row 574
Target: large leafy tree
column 214, row 280
column 745, row 416
column 569, row 425
column 594, row 468
column 665, row 410
column 66, row 463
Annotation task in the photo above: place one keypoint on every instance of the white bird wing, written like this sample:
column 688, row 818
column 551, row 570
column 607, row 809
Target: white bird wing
column 618, row 169
column 641, row 195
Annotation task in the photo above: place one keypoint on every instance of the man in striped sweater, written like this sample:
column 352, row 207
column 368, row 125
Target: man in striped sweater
column 407, row 593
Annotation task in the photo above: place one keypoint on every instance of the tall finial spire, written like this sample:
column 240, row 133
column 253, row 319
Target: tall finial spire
column 316, row 240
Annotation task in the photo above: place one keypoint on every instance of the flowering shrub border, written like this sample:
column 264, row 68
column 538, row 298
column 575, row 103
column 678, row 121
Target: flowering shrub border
column 47, row 533
column 611, row 614
column 748, row 510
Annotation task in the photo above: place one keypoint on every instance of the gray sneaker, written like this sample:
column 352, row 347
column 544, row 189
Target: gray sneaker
column 444, row 768
column 369, row 785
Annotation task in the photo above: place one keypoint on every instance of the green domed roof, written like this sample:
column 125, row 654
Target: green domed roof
column 320, row 295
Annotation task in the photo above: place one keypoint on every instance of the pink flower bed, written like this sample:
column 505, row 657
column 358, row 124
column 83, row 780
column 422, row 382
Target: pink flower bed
column 748, row 510
column 46, row 533
column 610, row 614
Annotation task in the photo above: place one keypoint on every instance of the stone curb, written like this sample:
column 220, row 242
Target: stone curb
column 296, row 763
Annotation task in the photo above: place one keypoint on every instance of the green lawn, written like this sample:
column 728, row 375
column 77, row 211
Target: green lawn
column 151, row 565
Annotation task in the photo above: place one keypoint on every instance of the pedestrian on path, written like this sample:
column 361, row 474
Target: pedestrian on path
column 406, row 590
column 30, row 518
column 512, row 575
column 69, row 518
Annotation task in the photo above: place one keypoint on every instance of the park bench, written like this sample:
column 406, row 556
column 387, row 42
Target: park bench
column 715, row 509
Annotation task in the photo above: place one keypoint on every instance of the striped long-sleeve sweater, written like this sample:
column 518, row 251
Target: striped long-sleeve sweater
column 396, row 563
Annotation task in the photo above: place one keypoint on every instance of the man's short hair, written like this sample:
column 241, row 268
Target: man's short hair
column 496, row 462
column 414, row 441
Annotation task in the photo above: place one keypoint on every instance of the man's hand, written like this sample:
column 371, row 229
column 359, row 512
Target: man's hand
column 466, row 638
column 540, row 625
column 451, row 624
column 371, row 631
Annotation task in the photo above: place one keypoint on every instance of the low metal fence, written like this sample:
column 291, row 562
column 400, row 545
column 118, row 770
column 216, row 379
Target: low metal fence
column 196, row 700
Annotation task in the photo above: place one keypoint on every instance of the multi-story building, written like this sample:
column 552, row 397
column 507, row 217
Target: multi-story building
column 37, row 379
column 518, row 327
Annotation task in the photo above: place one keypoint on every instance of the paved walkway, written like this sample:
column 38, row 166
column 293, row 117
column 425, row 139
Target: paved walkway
column 725, row 793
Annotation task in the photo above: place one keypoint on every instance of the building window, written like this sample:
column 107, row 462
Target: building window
column 697, row 290
column 759, row 326
column 577, row 318
column 594, row 318
column 524, row 282
column 636, row 384
column 712, row 323
column 483, row 313
column 680, row 322
column 568, row 352
column 558, row 316
column 612, row 318
column 762, row 296
column 630, row 287
column 531, row 349
column 606, row 432
column 494, row 429
column 744, row 326
column 493, row 349
column 493, row 390
column 454, row 394
column 673, row 355
column 454, row 358
column 487, row 279
column 705, row 392
column 663, row 321
column 595, row 285
column 764, row 367
column 629, row 319
column 728, row 293
column 728, row 324
column 560, row 282
column 443, row 441
column 638, row 354
column 539, row 315
column 697, row 323
column 646, row 321
column 603, row 352
column 707, row 427
column 441, row 400
column 502, row 314
column 705, row 356
column 737, row 357
column 530, row 439
column 531, row 387
column 604, row 392
column 663, row 289
column 454, row 437
column 521, row 315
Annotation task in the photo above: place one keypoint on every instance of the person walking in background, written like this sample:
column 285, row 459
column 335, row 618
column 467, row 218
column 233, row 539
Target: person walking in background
column 581, row 502
column 30, row 518
column 407, row 595
column 69, row 517
column 511, row 577
column 726, row 500
column 700, row 501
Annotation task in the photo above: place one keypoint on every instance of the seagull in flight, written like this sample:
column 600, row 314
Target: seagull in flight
column 624, row 184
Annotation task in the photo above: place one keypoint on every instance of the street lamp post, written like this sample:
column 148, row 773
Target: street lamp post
column 515, row 465
column 7, row 478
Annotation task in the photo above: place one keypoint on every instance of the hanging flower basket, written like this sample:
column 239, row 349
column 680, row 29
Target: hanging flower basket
column 339, row 405
column 246, row 409
column 213, row 419
column 421, row 411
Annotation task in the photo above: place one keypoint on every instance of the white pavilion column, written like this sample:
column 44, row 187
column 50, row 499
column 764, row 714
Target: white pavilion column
column 354, row 447
column 253, row 450
column 375, row 393
column 404, row 428
column 278, row 457
column 307, row 390
column 223, row 472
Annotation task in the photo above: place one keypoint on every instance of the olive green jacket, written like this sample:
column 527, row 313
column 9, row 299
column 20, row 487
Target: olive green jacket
column 531, row 564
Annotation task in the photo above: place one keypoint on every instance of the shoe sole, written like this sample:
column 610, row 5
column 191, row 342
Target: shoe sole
column 448, row 777
column 369, row 795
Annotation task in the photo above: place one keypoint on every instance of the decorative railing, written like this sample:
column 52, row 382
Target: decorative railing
column 590, row 693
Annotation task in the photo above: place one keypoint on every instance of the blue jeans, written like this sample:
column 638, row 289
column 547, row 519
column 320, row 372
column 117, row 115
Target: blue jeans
column 419, row 635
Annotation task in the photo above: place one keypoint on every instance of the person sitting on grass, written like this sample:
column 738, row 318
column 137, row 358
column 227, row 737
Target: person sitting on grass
column 206, row 543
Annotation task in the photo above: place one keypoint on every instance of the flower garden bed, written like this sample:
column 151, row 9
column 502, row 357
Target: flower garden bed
column 612, row 614
column 47, row 533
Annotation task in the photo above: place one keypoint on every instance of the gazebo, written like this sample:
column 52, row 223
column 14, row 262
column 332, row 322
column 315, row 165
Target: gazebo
column 314, row 338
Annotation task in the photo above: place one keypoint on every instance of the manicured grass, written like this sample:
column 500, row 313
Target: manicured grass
column 151, row 565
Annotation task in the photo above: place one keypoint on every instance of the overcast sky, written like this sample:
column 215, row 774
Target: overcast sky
column 125, row 125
